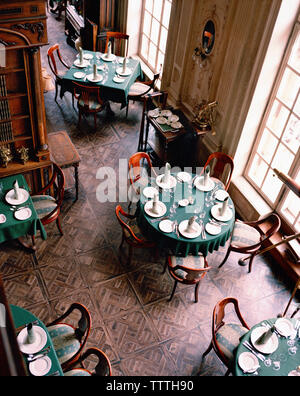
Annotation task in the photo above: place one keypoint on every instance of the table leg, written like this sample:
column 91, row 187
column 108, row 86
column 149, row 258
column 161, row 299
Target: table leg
column 76, row 181
column 146, row 137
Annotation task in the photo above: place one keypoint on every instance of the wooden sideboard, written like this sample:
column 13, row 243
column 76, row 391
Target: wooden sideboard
column 23, row 30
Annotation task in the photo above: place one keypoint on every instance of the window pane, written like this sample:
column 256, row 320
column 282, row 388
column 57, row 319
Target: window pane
column 155, row 31
column 258, row 170
column 157, row 9
column 166, row 14
column 294, row 60
column 160, row 60
column 147, row 24
column 283, row 159
column 297, row 107
column 145, row 45
column 272, row 186
column 149, row 5
column 291, row 207
column 163, row 39
column 152, row 55
column 289, row 87
column 277, row 118
column 291, row 136
column 267, row 146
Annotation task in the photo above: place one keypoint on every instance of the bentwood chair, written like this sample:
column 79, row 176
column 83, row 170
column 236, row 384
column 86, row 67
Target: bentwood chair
column 221, row 166
column 120, row 42
column 53, row 53
column 69, row 340
column 89, row 101
column 248, row 237
column 139, row 90
column 131, row 232
column 102, row 368
column 48, row 207
column 137, row 171
column 188, row 270
column 226, row 336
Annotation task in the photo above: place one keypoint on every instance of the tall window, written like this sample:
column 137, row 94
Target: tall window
column 279, row 139
column 155, row 24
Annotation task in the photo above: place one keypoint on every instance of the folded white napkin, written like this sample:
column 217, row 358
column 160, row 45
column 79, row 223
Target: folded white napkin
column 124, row 65
column 166, row 177
column 190, row 226
column 16, row 189
column 30, row 334
column 155, row 207
column 206, row 175
column 95, row 71
column 264, row 338
column 224, row 206
column 80, row 55
column 108, row 55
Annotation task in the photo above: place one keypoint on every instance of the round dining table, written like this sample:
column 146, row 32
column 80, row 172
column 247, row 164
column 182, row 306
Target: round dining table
column 200, row 205
column 283, row 360
column 23, row 317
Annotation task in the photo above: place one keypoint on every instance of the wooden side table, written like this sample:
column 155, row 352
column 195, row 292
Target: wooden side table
column 64, row 153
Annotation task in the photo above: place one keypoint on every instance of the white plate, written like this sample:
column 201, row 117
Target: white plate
column 88, row 56
column 183, row 226
column 90, row 77
column 37, row 345
column 79, row 75
column 118, row 80
column 40, row 366
column 172, row 182
column 221, row 195
column 166, row 113
column 284, row 327
column 2, row 218
column 161, row 209
column 215, row 211
column 82, row 65
column 248, row 362
column 184, row 202
column 166, row 226
column 176, row 125
column 173, row 118
column 161, row 120
column 108, row 59
column 294, row 373
column 200, row 186
column 153, row 113
column 213, row 229
column 23, row 197
column 270, row 346
column 184, row 176
column 127, row 71
column 23, row 214
column 149, row 192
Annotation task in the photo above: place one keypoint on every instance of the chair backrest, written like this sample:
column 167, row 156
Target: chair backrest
column 85, row 92
column 56, row 183
column 52, row 51
column 119, row 46
column 127, row 231
column 103, row 366
column 134, row 165
column 221, row 166
column 274, row 223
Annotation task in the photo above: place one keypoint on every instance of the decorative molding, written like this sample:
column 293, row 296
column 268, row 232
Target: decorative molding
column 7, row 43
column 32, row 27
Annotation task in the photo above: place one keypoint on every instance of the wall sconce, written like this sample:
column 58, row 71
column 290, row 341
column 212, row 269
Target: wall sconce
column 208, row 40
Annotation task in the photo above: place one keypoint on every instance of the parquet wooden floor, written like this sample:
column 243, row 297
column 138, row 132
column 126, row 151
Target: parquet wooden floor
column 132, row 321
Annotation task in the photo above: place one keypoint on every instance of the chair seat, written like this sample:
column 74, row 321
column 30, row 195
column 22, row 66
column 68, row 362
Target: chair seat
column 64, row 340
column 43, row 204
column 194, row 262
column 244, row 235
column 93, row 103
column 139, row 89
column 132, row 223
column 228, row 338
column 78, row 372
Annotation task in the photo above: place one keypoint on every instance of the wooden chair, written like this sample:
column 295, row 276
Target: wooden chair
column 119, row 46
column 53, row 53
column 68, row 340
column 188, row 270
column 131, row 232
column 248, row 237
column 221, row 166
column 135, row 170
column 57, row 6
column 226, row 336
column 47, row 206
column 102, row 367
column 139, row 90
column 89, row 101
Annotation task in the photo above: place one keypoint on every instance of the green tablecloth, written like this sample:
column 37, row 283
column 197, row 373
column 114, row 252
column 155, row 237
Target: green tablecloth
column 110, row 90
column 287, row 361
column 13, row 228
column 21, row 317
column 182, row 245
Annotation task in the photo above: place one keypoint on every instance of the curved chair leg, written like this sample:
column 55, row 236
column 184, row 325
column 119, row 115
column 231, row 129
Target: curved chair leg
column 174, row 288
column 207, row 350
column 59, row 226
column 197, row 291
column 225, row 258
column 165, row 266
column 251, row 262
column 56, row 91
